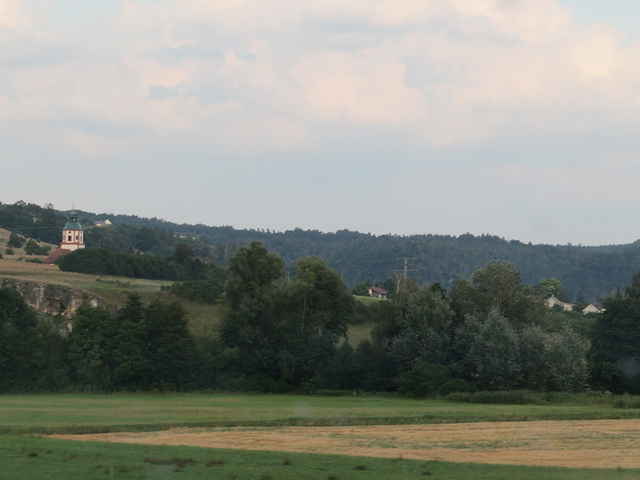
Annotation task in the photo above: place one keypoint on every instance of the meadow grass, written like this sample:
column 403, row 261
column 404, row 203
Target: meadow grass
column 92, row 413
column 114, row 290
column 27, row 457
column 24, row 455
column 367, row 299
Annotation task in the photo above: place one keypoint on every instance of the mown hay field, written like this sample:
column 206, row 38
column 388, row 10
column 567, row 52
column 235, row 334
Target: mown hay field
column 318, row 437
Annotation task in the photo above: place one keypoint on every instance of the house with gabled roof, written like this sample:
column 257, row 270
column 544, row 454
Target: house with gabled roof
column 378, row 292
column 552, row 301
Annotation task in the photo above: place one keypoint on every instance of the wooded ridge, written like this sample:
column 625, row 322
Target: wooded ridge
column 593, row 271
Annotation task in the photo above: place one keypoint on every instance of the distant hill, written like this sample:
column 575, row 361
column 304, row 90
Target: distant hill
column 596, row 271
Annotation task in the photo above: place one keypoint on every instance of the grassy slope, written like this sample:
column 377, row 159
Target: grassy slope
column 114, row 290
column 29, row 457
column 18, row 252
column 203, row 318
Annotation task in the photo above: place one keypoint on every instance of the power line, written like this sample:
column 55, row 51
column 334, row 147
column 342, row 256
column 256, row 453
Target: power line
column 406, row 265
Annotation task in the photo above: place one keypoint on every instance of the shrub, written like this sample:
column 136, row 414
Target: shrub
column 16, row 240
column 32, row 248
column 503, row 397
column 423, row 379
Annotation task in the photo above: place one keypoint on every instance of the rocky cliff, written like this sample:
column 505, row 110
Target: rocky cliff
column 54, row 300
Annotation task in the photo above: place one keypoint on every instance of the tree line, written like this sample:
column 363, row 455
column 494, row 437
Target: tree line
column 490, row 332
column 586, row 272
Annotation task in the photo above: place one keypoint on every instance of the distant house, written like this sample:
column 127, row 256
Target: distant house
column 103, row 223
column 593, row 308
column 378, row 292
column 553, row 301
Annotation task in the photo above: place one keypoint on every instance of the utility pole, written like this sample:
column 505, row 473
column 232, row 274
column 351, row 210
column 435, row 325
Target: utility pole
column 406, row 265
column 403, row 278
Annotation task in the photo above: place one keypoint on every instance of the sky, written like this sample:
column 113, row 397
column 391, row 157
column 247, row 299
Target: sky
column 514, row 118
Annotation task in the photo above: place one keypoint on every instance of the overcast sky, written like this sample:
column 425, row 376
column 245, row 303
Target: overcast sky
column 516, row 118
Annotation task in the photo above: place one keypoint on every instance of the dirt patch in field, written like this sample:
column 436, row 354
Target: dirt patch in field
column 578, row 444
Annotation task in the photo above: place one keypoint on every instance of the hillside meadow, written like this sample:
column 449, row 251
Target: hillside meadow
column 113, row 290
column 203, row 318
column 26, row 453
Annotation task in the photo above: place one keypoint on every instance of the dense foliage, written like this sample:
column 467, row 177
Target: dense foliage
column 615, row 353
column 286, row 318
column 141, row 348
column 181, row 265
column 587, row 273
column 491, row 332
column 32, row 221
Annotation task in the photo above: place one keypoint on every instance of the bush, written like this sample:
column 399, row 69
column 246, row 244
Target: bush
column 207, row 291
column 455, row 385
column 626, row 401
column 99, row 261
column 502, row 397
column 423, row 379
column 32, row 248
column 16, row 240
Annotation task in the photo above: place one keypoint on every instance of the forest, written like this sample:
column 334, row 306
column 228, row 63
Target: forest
column 489, row 333
column 586, row 272
column 482, row 325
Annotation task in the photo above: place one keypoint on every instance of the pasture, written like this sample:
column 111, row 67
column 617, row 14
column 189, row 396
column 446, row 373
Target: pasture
column 281, row 437
column 203, row 318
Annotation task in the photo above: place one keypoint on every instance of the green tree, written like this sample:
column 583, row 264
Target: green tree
column 553, row 286
column 494, row 354
column 21, row 347
column 141, row 348
column 168, row 346
column 130, row 360
column 249, row 328
column 498, row 286
column 615, row 350
column 15, row 240
column 281, row 335
column 361, row 289
column 49, row 225
column 321, row 298
column 316, row 308
column 423, row 379
column 92, row 344
column 32, row 248
column 425, row 330
column 567, row 360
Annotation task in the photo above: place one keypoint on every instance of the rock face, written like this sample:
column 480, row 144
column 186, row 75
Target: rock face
column 54, row 300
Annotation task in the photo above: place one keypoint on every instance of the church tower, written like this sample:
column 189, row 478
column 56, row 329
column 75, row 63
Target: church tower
column 72, row 234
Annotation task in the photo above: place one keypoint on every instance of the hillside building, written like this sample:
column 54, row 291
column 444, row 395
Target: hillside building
column 378, row 292
column 72, row 234
column 72, row 239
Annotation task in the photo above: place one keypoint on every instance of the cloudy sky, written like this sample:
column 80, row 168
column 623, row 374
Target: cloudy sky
column 516, row 118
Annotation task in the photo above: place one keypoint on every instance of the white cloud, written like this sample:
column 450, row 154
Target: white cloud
column 277, row 82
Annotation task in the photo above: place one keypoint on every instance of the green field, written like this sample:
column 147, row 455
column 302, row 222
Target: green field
column 40, row 458
column 24, row 455
column 137, row 412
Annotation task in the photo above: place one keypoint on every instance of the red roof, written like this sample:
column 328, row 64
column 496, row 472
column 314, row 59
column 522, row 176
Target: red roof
column 57, row 253
column 379, row 290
